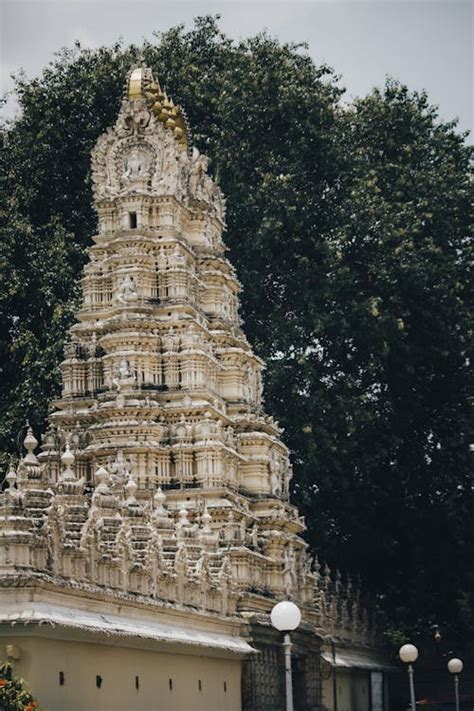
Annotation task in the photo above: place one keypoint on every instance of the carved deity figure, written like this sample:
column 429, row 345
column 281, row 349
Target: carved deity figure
column 173, row 179
column 181, row 184
column 229, row 531
column 249, row 382
column 287, row 476
column 124, row 374
column 124, row 371
column 217, row 201
column 198, row 176
column 253, row 537
column 275, row 475
column 162, row 261
column 289, row 570
column 119, row 469
column 127, row 290
column 137, row 165
column 224, row 582
column 92, row 346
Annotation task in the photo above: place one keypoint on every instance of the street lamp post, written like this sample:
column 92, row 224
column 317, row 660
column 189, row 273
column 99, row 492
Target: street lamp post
column 286, row 617
column 409, row 654
column 455, row 666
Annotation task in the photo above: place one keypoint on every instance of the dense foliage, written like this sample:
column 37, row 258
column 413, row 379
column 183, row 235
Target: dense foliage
column 349, row 228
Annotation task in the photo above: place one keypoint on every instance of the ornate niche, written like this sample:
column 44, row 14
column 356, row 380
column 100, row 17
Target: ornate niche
column 137, row 163
column 137, row 168
column 129, row 157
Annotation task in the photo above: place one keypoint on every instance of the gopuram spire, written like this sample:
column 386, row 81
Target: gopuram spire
column 161, row 477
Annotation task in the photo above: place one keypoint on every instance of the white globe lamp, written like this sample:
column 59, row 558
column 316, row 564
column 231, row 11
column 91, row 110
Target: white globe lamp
column 285, row 617
column 455, row 666
column 408, row 653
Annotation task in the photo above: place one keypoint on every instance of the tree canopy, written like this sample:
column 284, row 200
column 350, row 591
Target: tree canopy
column 349, row 227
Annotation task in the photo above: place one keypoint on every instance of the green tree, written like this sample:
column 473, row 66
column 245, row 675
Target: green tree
column 388, row 423
column 349, row 230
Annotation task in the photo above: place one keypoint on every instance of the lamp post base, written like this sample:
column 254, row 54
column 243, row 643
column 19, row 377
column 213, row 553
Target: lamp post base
column 288, row 676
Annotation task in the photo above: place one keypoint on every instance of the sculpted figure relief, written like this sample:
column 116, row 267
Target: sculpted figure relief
column 275, row 475
column 249, row 383
column 197, row 175
column 119, row 468
column 124, row 370
column 137, row 165
column 127, row 290
column 287, row 476
column 289, row 570
column 173, row 180
column 124, row 374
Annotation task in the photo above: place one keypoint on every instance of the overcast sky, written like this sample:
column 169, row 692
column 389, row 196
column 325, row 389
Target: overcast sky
column 428, row 44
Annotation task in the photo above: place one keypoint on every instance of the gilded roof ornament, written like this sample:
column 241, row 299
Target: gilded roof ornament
column 142, row 85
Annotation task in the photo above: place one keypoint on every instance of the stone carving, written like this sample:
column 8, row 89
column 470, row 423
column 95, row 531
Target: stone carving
column 289, row 571
column 127, row 290
column 133, row 119
column 124, row 375
column 120, row 469
column 173, row 180
column 183, row 418
column 137, row 165
column 202, row 188
column 275, row 475
column 95, row 543
column 198, row 176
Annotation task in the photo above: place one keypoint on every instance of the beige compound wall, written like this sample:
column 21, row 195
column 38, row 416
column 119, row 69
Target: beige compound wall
column 352, row 688
column 197, row 683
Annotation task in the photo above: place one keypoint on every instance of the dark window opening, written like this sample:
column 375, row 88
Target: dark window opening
column 132, row 220
column 225, row 687
column 200, row 685
column 137, row 683
column 171, row 684
column 61, row 678
column 98, row 681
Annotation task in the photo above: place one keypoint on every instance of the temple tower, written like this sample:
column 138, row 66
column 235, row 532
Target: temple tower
column 161, row 482
column 159, row 382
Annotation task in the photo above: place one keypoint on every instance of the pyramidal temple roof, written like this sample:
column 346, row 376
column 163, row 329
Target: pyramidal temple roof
column 161, row 478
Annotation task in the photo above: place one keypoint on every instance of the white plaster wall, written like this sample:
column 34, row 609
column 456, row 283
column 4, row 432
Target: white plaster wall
column 42, row 659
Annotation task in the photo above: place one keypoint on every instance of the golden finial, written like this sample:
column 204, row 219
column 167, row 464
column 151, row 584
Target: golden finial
column 135, row 84
column 142, row 85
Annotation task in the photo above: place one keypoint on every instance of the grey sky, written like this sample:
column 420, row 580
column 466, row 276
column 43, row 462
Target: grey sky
column 428, row 44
